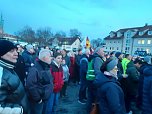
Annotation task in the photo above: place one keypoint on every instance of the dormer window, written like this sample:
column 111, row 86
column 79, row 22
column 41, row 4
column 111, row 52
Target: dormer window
column 141, row 33
column 149, row 32
column 119, row 34
column 112, row 34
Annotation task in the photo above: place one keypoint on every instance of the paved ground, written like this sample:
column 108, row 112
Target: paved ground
column 69, row 104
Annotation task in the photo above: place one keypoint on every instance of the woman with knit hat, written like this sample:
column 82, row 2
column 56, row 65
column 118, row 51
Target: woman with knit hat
column 12, row 94
column 110, row 94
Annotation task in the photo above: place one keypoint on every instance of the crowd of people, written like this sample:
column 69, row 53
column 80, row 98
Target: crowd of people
column 33, row 80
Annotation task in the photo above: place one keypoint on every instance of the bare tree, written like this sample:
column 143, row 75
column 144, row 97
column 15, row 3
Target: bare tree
column 27, row 34
column 60, row 34
column 97, row 42
column 44, row 34
column 75, row 33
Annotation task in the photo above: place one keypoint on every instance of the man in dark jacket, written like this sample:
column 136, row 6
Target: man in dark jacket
column 39, row 82
column 12, row 93
column 28, row 57
column 20, row 65
column 147, row 91
column 131, row 87
column 66, row 57
column 83, row 73
column 98, row 59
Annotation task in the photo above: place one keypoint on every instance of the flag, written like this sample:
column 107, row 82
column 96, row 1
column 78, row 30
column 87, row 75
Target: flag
column 87, row 43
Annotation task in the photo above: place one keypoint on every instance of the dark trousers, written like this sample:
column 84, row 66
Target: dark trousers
column 36, row 108
column 64, row 88
column 91, row 96
column 82, row 91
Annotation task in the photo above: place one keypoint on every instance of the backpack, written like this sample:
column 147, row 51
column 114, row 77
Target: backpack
column 90, row 73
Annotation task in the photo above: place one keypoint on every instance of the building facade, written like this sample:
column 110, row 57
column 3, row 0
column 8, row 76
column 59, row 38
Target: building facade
column 65, row 43
column 130, row 40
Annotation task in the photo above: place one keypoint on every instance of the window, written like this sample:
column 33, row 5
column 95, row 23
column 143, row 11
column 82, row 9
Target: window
column 141, row 33
column 142, row 41
column 114, row 42
column 110, row 48
column 117, row 48
column 149, row 32
column 118, row 41
column 149, row 42
column 139, row 41
column 113, row 48
column 106, row 48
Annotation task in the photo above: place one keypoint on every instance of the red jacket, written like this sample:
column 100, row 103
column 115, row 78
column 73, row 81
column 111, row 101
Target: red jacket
column 57, row 74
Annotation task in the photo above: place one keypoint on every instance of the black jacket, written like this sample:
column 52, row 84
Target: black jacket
column 12, row 92
column 39, row 82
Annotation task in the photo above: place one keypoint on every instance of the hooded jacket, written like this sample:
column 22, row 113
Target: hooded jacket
column 110, row 94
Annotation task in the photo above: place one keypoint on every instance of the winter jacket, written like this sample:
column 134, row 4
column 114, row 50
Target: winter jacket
column 20, row 69
column 12, row 93
column 132, row 79
column 147, row 91
column 110, row 95
column 28, row 59
column 57, row 73
column 83, row 67
column 39, row 82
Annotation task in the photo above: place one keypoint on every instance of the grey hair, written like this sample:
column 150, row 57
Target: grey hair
column 97, row 49
column 43, row 53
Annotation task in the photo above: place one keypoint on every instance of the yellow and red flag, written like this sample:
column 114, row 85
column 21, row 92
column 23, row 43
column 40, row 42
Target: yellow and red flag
column 87, row 43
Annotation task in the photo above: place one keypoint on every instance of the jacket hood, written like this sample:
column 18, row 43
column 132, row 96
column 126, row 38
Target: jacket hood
column 148, row 71
column 102, row 78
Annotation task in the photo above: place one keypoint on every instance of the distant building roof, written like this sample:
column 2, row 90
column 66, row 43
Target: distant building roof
column 134, row 29
column 64, row 41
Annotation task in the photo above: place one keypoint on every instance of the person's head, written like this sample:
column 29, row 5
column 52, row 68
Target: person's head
column 19, row 48
column 112, row 54
column 119, row 55
column 47, row 47
column 63, row 62
column 138, row 62
column 8, row 51
column 99, row 51
column 110, row 65
column 30, row 48
column 45, row 56
column 128, row 56
column 64, row 52
column 79, row 51
column 58, row 58
column 87, row 52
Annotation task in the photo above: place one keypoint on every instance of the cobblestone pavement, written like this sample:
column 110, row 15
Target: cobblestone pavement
column 69, row 104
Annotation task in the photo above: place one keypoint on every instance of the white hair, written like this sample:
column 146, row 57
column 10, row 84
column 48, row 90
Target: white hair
column 43, row 53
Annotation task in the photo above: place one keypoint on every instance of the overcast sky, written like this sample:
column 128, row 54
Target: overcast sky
column 93, row 18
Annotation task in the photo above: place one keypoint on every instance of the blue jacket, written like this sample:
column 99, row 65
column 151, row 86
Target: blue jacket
column 110, row 95
column 147, row 91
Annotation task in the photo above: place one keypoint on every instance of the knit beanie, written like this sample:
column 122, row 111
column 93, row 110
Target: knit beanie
column 28, row 47
column 118, row 54
column 6, row 46
column 112, row 64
